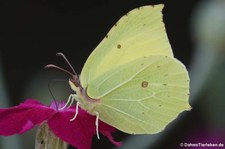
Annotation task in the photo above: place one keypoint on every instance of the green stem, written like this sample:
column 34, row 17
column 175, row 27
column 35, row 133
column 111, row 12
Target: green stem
column 46, row 139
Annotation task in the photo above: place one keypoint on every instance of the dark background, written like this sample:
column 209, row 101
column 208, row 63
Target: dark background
column 33, row 31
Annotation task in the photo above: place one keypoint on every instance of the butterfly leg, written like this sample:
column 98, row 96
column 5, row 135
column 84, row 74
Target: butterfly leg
column 70, row 101
column 76, row 113
column 96, row 124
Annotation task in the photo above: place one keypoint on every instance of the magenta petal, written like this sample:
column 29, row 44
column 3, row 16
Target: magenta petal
column 110, row 137
column 29, row 125
column 107, row 130
column 32, row 102
column 18, row 119
column 80, row 131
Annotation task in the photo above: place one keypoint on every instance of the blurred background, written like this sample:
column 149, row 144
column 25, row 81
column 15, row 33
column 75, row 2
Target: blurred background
column 33, row 31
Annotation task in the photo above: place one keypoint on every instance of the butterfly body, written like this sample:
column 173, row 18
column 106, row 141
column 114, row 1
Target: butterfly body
column 85, row 102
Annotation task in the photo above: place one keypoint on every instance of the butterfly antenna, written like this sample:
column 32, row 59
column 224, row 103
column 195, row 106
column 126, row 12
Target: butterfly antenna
column 64, row 57
column 75, row 77
column 57, row 67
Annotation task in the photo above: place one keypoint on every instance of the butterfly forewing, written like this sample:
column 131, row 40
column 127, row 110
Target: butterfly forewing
column 139, row 33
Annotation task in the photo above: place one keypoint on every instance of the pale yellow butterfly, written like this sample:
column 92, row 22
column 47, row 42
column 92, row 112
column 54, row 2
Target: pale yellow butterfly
column 131, row 80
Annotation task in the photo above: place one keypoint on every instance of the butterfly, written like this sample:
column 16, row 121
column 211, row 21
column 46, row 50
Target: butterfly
column 132, row 80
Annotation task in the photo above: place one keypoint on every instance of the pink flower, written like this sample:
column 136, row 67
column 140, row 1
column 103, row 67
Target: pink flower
column 78, row 133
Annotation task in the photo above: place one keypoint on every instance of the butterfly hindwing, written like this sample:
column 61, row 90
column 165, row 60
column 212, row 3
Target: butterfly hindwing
column 142, row 96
